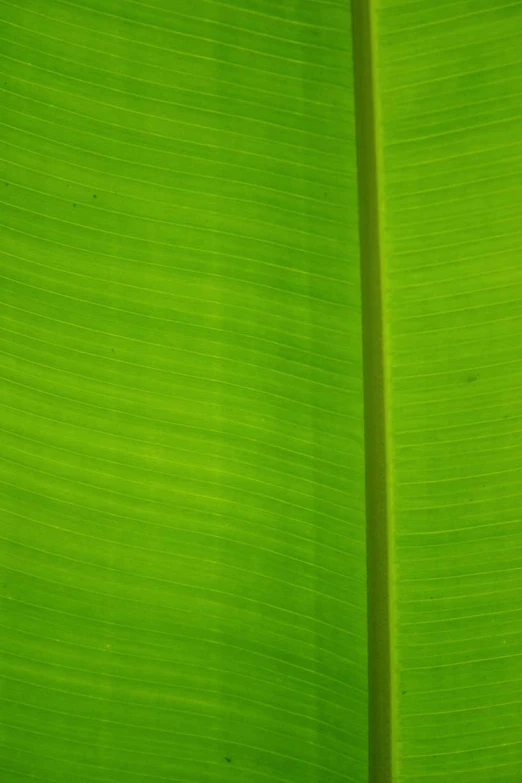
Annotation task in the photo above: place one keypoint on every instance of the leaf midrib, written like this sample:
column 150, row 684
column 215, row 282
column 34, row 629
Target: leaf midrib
column 381, row 718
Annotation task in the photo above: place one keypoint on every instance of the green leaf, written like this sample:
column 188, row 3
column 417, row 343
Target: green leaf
column 446, row 90
column 260, row 372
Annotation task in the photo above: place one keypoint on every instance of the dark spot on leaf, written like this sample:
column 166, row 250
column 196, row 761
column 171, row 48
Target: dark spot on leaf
column 472, row 378
column 94, row 195
column 403, row 693
column 74, row 205
column 227, row 759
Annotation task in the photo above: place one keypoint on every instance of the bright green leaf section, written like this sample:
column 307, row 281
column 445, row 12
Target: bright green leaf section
column 182, row 532
column 183, row 514
column 449, row 86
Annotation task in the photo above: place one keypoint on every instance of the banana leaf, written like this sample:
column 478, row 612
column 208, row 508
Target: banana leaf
column 260, row 364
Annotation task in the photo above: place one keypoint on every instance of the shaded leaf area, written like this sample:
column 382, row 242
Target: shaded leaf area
column 182, row 544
